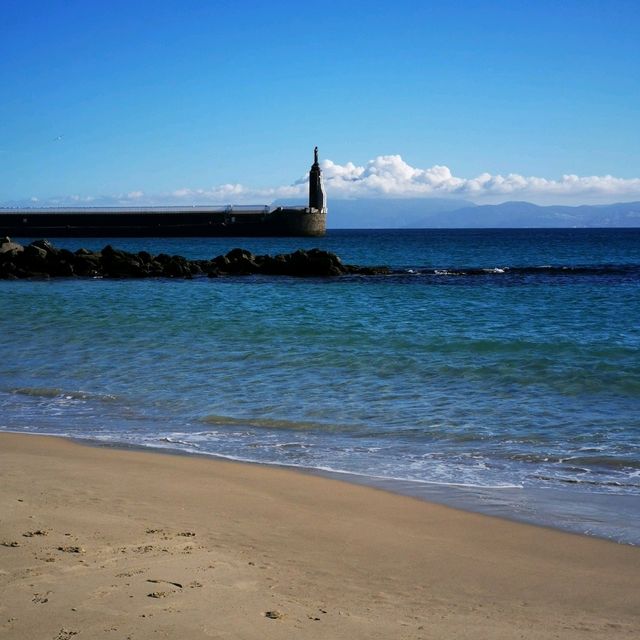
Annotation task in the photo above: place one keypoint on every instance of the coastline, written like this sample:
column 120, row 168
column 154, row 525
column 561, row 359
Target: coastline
column 327, row 558
column 604, row 516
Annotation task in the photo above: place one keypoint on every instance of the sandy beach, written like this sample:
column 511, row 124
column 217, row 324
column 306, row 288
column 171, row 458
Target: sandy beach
column 105, row 543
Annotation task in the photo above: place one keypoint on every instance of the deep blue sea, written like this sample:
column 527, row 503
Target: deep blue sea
column 496, row 370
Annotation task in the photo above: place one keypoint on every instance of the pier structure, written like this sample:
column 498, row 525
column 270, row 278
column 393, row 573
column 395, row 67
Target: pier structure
column 187, row 221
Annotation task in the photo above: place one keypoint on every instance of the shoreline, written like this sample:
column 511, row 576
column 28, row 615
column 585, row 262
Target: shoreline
column 245, row 542
column 556, row 509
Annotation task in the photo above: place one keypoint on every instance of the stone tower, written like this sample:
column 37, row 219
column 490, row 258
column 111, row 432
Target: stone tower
column 317, row 198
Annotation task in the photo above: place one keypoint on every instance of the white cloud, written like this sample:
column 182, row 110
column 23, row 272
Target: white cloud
column 391, row 176
column 236, row 194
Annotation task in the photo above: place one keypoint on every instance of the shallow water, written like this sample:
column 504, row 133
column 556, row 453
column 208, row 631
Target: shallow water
column 503, row 363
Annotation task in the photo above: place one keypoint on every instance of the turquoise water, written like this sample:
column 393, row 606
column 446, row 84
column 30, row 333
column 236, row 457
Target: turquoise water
column 497, row 370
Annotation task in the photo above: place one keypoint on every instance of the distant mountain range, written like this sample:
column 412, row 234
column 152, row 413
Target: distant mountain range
column 440, row 213
column 525, row 214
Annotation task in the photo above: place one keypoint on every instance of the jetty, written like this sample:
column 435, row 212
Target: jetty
column 173, row 221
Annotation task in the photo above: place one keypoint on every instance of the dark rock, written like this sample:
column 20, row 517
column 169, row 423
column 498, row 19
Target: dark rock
column 121, row 264
column 314, row 262
column 195, row 268
column 240, row 254
column 174, row 269
column 275, row 265
column 42, row 259
column 321, row 263
column 62, row 269
column 7, row 269
column 87, row 264
column 154, row 268
column 65, row 254
column 221, row 262
column 241, row 261
column 46, row 245
column 123, row 267
column 32, row 262
column 34, row 255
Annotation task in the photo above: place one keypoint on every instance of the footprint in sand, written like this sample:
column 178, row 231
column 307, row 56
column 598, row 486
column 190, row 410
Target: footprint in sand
column 154, row 581
column 129, row 574
column 273, row 615
column 45, row 558
column 40, row 598
column 37, row 532
column 71, row 549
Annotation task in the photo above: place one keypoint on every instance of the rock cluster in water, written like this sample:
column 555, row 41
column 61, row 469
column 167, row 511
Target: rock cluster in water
column 41, row 259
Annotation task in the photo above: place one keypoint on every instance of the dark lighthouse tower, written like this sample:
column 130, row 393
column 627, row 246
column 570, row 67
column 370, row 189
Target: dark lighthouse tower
column 317, row 198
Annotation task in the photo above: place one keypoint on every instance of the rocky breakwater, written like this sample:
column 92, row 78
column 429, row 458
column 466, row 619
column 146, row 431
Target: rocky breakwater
column 41, row 259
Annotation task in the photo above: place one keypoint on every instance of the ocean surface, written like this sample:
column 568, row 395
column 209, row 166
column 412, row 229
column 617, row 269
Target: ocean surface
column 496, row 370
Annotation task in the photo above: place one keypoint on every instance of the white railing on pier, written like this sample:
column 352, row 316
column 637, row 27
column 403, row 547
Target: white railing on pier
column 199, row 208
column 235, row 209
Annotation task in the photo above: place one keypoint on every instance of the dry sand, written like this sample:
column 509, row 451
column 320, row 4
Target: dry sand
column 104, row 543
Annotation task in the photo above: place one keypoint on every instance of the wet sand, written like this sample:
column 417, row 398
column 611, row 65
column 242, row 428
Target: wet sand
column 106, row 543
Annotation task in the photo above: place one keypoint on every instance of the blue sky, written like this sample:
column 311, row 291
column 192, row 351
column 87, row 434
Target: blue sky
column 168, row 100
